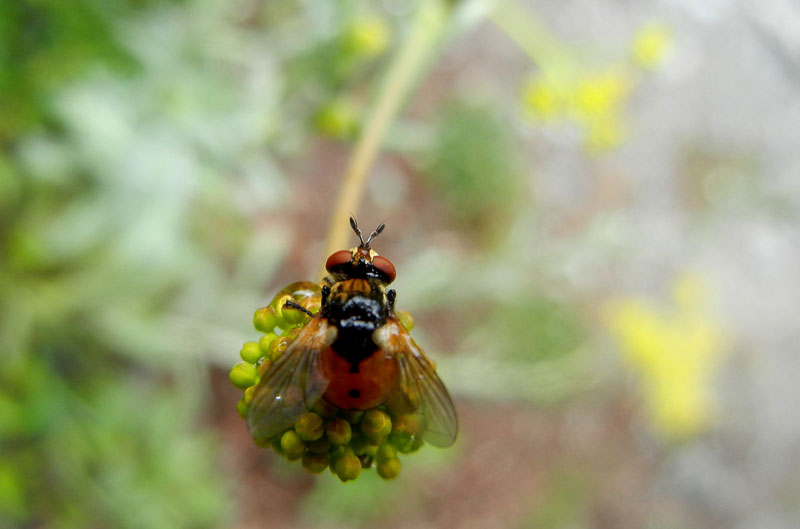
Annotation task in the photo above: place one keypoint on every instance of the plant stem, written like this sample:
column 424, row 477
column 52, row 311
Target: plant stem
column 527, row 32
column 400, row 77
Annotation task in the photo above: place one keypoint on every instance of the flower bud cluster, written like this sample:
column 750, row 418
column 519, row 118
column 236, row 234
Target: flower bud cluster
column 346, row 441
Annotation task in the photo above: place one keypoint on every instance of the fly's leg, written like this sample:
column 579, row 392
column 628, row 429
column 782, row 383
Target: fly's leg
column 295, row 305
column 390, row 295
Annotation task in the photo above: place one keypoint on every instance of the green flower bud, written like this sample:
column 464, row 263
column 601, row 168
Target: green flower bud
column 409, row 423
column 311, row 304
column 251, row 352
column 338, row 431
column 324, row 408
column 389, row 469
column 248, row 395
column 376, row 424
column 278, row 305
column 405, row 318
column 401, row 441
column 243, row 375
column 278, row 346
column 347, row 466
column 385, row 452
column 310, row 426
column 405, row 443
column 297, row 290
column 361, row 446
column 352, row 416
column 292, row 333
column 241, row 407
column 293, row 316
column 291, row 444
column 262, row 367
column 265, row 342
column 320, row 446
column 315, row 463
column 266, row 319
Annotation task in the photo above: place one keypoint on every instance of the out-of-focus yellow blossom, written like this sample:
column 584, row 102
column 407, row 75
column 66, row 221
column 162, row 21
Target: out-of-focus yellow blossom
column 651, row 44
column 338, row 118
column 675, row 353
column 367, row 37
column 545, row 98
column 604, row 132
column 593, row 102
column 601, row 94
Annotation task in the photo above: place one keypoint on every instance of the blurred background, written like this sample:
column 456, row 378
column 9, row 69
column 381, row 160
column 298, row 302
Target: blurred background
column 592, row 207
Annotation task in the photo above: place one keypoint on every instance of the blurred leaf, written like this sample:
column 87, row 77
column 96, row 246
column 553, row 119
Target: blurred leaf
column 474, row 167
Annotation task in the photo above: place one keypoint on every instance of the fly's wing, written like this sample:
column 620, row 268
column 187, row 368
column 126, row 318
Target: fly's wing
column 292, row 384
column 421, row 389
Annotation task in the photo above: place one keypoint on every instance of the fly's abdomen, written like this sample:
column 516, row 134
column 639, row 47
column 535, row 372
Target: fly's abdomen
column 370, row 385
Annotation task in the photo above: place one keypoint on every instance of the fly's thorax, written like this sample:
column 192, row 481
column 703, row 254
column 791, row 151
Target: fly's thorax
column 356, row 307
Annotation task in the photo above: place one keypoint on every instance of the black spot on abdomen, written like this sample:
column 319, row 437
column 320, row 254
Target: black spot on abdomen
column 354, row 393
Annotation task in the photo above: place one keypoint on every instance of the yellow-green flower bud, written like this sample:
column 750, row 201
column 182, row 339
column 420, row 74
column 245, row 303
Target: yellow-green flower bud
column 405, row 318
column 310, row 426
column 277, row 305
column 353, row 416
column 315, row 463
column 389, row 468
column 324, row 408
column 292, row 333
column 385, row 452
column 292, row 315
column 265, row 319
column 243, row 375
column 251, row 352
column 241, row 407
column 263, row 366
column 409, row 423
column 361, row 446
column 311, row 304
column 265, row 342
column 291, row 444
column 376, row 424
column 338, row 431
column 401, row 441
column 278, row 346
column 347, row 466
column 248, row 395
column 320, row 446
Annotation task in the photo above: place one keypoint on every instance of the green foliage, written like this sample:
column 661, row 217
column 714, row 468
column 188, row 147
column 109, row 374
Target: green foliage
column 537, row 329
column 45, row 43
column 474, row 167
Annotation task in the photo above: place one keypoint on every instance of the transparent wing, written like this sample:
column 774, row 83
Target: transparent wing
column 420, row 387
column 292, row 384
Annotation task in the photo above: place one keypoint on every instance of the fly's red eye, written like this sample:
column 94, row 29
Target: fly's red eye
column 338, row 258
column 385, row 266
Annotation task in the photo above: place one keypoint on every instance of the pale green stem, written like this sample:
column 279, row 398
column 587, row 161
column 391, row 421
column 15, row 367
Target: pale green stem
column 527, row 32
column 399, row 79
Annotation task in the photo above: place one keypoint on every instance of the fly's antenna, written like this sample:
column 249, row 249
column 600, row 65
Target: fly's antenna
column 354, row 225
column 375, row 233
column 357, row 230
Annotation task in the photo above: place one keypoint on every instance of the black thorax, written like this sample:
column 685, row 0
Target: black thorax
column 356, row 314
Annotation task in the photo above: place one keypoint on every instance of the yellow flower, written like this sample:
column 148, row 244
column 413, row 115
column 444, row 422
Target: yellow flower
column 545, row 98
column 604, row 132
column 338, row 118
column 601, row 94
column 675, row 354
column 367, row 37
column 651, row 44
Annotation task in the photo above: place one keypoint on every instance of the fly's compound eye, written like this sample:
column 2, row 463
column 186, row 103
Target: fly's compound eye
column 338, row 258
column 384, row 265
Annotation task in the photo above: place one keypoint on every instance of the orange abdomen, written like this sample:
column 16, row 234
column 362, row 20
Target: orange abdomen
column 374, row 382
